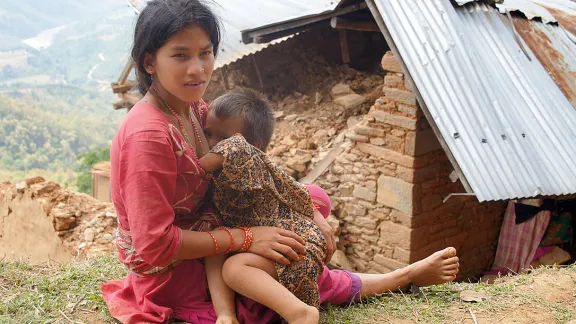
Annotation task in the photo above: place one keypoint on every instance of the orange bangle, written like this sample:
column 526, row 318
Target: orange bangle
column 215, row 242
column 248, row 236
column 231, row 239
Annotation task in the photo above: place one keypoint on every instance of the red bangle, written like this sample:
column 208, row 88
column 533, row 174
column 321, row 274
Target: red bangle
column 248, row 236
column 215, row 242
column 231, row 239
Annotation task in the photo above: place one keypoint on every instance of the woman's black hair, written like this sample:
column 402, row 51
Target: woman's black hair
column 161, row 19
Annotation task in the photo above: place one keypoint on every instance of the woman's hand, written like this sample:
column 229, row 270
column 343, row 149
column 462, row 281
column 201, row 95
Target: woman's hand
column 276, row 244
column 328, row 233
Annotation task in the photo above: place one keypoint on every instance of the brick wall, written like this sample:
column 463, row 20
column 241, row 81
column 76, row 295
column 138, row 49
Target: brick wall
column 389, row 185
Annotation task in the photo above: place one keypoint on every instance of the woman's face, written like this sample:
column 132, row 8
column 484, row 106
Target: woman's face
column 182, row 67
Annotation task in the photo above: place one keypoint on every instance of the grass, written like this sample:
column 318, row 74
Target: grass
column 67, row 293
column 48, row 293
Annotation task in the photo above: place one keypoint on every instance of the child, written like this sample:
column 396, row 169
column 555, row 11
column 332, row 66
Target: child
column 249, row 191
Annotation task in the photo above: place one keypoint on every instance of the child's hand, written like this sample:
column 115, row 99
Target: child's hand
column 227, row 319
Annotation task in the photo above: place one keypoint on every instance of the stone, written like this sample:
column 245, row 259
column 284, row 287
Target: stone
column 401, row 218
column 278, row 115
column 392, row 234
column 341, row 89
column 352, row 121
column 319, row 134
column 45, row 187
column 364, row 193
column 388, row 263
column 318, row 98
column 290, row 118
column 394, row 143
column 350, row 101
column 376, row 268
column 296, row 164
column 337, row 169
column 346, row 190
column 422, row 142
column 400, row 96
column 410, row 110
column 394, row 120
column 108, row 237
column 34, row 180
column 89, row 235
column 335, row 224
column 365, row 222
column 389, row 155
column 290, row 140
column 419, row 175
column 431, row 202
column 397, row 194
column 401, row 254
column 355, row 210
column 369, row 131
column 556, row 256
column 379, row 141
column 398, row 133
column 21, row 187
column 340, row 260
column 357, row 138
column 390, row 63
column 393, row 80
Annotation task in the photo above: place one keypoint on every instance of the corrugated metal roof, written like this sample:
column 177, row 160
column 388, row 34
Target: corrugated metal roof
column 506, row 122
column 240, row 15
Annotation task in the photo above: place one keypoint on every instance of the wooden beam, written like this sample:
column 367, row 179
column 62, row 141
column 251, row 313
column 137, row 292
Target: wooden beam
column 321, row 167
column 121, row 88
column 257, row 71
column 248, row 36
column 364, row 26
column 224, row 77
column 127, row 69
column 128, row 100
column 344, row 46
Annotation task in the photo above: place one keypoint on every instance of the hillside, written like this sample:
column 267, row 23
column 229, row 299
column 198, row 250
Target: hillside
column 56, row 65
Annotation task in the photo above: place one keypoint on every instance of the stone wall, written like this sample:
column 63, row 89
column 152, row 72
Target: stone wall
column 389, row 185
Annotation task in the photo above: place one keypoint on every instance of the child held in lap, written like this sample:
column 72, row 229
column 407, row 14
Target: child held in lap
column 249, row 190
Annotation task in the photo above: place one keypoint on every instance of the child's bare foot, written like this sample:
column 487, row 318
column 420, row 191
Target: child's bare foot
column 436, row 269
column 308, row 315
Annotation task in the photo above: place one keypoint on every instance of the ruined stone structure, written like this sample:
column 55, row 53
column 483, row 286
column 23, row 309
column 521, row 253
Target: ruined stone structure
column 388, row 190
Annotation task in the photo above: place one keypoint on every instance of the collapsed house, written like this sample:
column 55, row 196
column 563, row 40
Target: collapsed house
column 424, row 121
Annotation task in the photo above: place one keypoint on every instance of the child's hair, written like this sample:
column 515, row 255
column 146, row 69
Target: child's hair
column 161, row 19
column 258, row 118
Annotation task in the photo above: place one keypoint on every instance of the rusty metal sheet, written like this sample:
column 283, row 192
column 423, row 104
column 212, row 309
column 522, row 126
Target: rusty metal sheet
column 554, row 50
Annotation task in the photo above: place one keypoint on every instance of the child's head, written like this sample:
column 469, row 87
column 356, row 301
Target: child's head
column 242, row 111
column 175, row 43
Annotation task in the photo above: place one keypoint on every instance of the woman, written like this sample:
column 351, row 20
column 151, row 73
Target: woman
column 158, row 188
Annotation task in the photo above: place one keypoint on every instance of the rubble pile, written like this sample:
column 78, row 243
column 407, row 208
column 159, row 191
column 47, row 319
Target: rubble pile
column 85, row 225
column 308, row 126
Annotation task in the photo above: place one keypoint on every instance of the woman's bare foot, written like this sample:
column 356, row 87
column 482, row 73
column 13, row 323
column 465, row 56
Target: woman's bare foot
column 308, row 315
column 436, row 269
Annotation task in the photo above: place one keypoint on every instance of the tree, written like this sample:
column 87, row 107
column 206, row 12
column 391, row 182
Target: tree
column 85, row 163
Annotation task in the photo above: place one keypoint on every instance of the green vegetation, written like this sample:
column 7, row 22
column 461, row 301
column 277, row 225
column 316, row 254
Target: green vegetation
column 33, row 135
column 86, row 161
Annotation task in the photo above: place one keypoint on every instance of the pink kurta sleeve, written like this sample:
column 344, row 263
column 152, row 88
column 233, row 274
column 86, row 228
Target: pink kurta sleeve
column 148, row 173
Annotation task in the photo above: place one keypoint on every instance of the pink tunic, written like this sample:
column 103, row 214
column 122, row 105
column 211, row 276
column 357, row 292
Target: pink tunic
column 157, row 190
